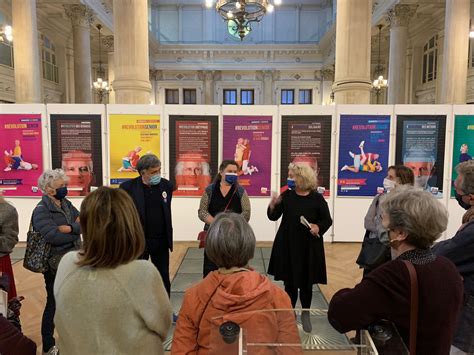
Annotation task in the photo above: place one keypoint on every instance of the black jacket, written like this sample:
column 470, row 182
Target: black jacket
column 134, row 188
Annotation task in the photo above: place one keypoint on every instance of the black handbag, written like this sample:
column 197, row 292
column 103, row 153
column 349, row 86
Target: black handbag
column 37, row 251
column 373, row 253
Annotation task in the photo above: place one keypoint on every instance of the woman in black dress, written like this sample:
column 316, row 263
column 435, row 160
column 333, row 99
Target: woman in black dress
column 298, row 250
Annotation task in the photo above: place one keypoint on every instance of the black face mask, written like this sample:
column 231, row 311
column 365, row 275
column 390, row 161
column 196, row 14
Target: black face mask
column 461, row 203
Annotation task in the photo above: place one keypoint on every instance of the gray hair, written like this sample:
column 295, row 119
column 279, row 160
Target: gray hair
column 417, row 213
column 230, row 241
column 148, row 161
column 466, row 170
column 49, row 176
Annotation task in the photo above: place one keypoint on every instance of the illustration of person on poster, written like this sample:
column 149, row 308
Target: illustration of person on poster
column 463, row 141
column 307, row 140
column 363, row 154
column 131, row 136
column 422, row 149
column 21, row 142
column 248, row 140
column 76, row 147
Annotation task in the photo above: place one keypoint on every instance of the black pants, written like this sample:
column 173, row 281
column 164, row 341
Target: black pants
column 208, row 266
column 157, row 250
column 306, row 294
column 47, row 323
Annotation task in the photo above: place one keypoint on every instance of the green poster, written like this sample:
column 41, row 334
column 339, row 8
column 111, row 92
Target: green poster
column 463, row 142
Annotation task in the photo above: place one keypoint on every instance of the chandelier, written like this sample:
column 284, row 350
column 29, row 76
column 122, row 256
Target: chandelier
column 239, row 14
column 101, row 86
column 6, row 33
column 380, row 83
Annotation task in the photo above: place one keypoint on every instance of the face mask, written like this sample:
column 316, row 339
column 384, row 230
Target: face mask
column 421, row 181
column 388, row 184
column 461, row 203
column 155, row 179
column 291, row 184
column 61, row 193
column 231, row 178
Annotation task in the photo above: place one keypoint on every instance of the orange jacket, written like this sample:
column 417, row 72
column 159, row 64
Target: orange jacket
column 235, row 297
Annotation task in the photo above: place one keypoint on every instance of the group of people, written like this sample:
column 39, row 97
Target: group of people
column 122, row 228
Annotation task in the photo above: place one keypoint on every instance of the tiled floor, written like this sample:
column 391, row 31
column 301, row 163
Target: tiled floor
column 189, row 273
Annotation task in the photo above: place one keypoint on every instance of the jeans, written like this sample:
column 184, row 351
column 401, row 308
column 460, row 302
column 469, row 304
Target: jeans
column 464, row 336
column 208, row 266
column 157, row 250
column 47, row 323
column 306, row 294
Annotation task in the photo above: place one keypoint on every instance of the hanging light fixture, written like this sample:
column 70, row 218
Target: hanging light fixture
column 380, row 83
column 239, row 14
column 101, row 86
column 6, row 33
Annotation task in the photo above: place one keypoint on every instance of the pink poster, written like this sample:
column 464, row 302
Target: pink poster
column 21, row 148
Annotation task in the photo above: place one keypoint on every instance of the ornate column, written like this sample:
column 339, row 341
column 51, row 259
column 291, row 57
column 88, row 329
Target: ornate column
column 352, row 83
column 81, row 17
column 456, row 44
column 266, row 76
column 207, row 76
column 398, row 16
column 26, row 51
column 132, row 83
column 108, row 42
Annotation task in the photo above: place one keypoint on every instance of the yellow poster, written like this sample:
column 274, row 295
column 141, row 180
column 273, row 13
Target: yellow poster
column 131, row 136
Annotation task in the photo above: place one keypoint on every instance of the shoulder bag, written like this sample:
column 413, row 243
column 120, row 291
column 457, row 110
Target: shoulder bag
column 37, row 251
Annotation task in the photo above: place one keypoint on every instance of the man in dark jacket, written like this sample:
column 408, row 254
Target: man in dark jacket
column 460, row 250
column 152, row 196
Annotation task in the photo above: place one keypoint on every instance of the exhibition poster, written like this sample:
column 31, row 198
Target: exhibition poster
column 307, row 140
column 248, row 141
column 131, row 136
column 364, row 142
column 463, row 140
column 420, row 146
column 76, row 147
column 21, row 147
column 193, row 153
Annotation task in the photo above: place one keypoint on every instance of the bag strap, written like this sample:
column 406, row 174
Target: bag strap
column 413, row 305
column 231, row 197
column 207, row 304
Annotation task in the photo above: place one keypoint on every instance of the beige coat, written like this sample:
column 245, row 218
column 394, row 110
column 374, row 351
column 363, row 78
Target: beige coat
column 124, row 310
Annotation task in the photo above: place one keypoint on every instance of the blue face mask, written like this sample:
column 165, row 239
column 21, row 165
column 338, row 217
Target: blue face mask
column 155, row 179
column 291, row 184
column 61, row 193
column 231, row 178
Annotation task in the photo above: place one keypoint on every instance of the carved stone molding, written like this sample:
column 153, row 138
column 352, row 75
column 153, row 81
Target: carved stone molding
column 155, row 74
column 80, row 15
column 108, row 42
column 400, row 15
column 328, row 74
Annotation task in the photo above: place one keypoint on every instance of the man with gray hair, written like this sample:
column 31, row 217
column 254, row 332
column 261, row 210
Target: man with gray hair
column 460, row 250
column 152, row 196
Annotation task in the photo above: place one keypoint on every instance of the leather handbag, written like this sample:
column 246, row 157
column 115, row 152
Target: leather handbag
column 373, row 253
column 37, row 251
column 202, row 235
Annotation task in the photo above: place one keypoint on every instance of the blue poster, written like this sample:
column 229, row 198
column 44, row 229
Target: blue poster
column 420, row 146
column 364, row 142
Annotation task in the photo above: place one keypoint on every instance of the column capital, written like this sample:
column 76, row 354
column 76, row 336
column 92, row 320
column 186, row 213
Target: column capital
column 156, row 74
column 400, row 15
column 80, row 15
column 108, row 42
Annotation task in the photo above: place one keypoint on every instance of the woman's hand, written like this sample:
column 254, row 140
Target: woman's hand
column 276, row 199
column 65, row 229
column 314, row 229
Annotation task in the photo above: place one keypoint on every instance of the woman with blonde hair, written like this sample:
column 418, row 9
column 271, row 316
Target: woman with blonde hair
column 298, row 250
column 108, row 301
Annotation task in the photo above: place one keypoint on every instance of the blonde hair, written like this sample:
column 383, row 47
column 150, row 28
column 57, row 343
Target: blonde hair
column 111, row 228
column 305, row 177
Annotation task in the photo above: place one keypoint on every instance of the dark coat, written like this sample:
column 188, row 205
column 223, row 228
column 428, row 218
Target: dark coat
column 460, row 250
column 385, row 294
column 13, row 342
column 134, row 188
column 297, row 256
column 46, row 220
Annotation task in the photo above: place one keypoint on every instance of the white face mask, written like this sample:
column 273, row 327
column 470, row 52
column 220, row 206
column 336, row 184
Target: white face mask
column 421, row 181
column 388, row 184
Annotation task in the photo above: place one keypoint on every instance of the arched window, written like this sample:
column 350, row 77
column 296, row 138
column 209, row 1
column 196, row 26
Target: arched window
column 50, row 65
column 430, row 59
column 6, row 47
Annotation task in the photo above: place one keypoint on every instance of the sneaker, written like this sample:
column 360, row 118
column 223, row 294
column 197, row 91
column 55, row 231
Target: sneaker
column 344, row 168
column 361, row 145
column 52, row 351
column 306, row 321
column 7, row 169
